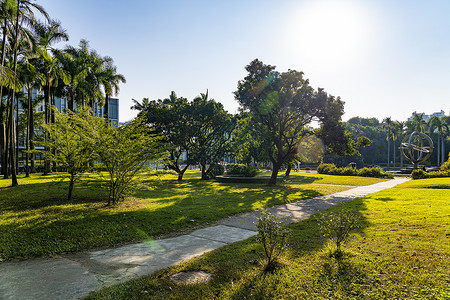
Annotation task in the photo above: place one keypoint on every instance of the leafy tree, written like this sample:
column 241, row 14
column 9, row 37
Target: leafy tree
column 124, row 151
column 246, row 146
column 283, row 105
column 212, row 127
column 68, row 146
column 172, row 119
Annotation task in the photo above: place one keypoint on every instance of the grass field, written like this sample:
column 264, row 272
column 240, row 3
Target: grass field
column 36, row 219
column 402, row 251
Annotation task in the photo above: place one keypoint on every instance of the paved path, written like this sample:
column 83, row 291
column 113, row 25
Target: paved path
column 74, row 276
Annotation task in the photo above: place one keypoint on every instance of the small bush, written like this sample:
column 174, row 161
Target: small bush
column 240, row 169
column 446, row 166
column 337, row 227
column 419, row 174
column 272, row 234
column 325, row 168
column 215, row 170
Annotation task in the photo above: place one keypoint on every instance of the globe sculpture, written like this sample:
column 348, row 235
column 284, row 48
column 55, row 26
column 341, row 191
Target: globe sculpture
column 416, row 148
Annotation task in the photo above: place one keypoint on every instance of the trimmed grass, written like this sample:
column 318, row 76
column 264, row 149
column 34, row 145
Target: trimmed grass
column 402, row 251
column 36, row 219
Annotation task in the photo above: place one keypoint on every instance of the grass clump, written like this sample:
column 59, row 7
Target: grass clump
column 337, row 226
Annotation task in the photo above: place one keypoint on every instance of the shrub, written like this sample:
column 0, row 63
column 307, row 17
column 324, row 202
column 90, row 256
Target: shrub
column 347, row 171
column 325, row 168
column 240, row 169
column 272, row 234
column 446, row 166
column 374, row 172
column 337, row 227
column 215, row 170
column 331, row 169
column 421, row 174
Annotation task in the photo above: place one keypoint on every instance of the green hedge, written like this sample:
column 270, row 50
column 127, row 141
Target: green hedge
column 243, row 170
column 421, row 174
column 331, row 169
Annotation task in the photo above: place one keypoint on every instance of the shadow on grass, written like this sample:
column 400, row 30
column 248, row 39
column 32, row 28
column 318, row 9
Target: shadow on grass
column 40, row 221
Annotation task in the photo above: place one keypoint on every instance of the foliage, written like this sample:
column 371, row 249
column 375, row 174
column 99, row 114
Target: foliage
column 337, row 226
column 374, row 172
column 446, row 165
column 172, row 119
column 272, row 234
column 421, row 174
column 213, row 127
column 215, row 170
column 282, row 107
column 124, row 152
column 67, row 145
column 331, row 169
column 199, row 130
column 243, row 170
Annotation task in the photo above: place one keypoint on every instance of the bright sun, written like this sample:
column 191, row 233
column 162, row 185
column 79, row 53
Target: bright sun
column 328, row 32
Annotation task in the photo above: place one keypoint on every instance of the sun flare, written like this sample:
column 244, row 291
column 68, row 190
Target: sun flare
column 328, row 31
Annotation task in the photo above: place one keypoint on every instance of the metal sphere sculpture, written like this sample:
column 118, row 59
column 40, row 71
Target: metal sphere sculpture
column 416, row 148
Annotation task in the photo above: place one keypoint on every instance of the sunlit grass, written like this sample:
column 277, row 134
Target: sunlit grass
column 36, row 219
column 428, row 183
column 402, row 251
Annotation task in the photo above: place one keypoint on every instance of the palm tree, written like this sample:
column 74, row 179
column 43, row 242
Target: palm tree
column 418, row 122
column 440, row 126
column 141, row 106
column 23, row 12
column 387, row 123
column 402, row 130
column 110, row 80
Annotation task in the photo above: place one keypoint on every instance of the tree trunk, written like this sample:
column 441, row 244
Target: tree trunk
column 3, row 149
column 47, row 166
column 106, row 108
column 204, row 176
column 31, row 139
column 288, row 170
column 3, row 135
column 273, row 177
column 439, row 162
column 12, row 108
column 388, row 154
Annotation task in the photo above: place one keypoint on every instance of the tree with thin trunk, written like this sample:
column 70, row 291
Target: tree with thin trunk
column 387, row 124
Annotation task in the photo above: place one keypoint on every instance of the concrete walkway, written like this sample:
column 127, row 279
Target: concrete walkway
column 74, row 276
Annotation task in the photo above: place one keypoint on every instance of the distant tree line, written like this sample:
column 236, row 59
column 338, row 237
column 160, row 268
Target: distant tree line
column 388, row 134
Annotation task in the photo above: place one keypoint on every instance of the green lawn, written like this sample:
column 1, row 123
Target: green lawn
column 36, row 219
column 402, row 251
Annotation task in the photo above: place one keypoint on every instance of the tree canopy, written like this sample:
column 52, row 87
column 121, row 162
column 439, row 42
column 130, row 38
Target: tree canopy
column 283, row 107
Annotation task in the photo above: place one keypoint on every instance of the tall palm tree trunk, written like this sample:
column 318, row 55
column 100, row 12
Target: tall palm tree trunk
column 3, row 127
column 12, row 108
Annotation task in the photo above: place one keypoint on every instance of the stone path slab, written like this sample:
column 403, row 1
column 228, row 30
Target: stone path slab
column 75, row 276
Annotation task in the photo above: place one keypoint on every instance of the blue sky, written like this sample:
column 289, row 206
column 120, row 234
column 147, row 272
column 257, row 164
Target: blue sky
column 382, row 57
